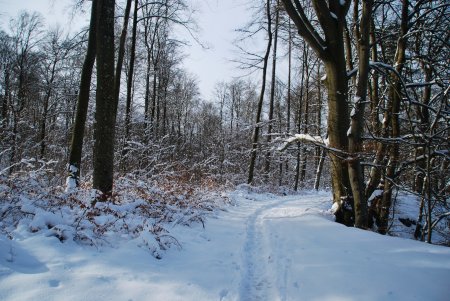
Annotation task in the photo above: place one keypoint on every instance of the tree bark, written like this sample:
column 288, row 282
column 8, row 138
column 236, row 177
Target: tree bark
column 76, row 146
column 130, row 83
column 120, row 55
column 255, row 135
column 105, row 118
column 306, row 121
column 319, row 117
column 6, row 98
column 319, row 170
column 288, row 113
column 43, row 130
column 355, row 170
column 272, row 90
column 395, row 98
column 299, row 118
column 330, row 50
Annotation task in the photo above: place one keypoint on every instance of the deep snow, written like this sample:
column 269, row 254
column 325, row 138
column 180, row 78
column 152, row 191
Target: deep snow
column 261, row 247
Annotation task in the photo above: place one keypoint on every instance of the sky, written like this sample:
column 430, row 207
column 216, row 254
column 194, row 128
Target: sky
column 217, row 20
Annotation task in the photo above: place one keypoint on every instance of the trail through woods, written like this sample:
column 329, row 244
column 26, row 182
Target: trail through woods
column 261, row 247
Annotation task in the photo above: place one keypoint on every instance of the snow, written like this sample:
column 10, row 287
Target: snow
column 335, row 207
column 259, row 247
column 71, row 182
column 302, row 138
column 73, row 169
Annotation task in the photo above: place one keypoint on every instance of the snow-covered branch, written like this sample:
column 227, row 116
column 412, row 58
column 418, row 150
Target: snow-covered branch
column 316, row 140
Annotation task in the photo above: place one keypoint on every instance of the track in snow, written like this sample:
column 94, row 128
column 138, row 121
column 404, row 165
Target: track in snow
column 265, row 276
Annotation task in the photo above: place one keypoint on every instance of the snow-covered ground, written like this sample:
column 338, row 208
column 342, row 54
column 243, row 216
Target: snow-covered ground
column 261, row 247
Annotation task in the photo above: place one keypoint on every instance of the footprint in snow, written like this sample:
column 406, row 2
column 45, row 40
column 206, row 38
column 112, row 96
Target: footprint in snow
column 54, row 283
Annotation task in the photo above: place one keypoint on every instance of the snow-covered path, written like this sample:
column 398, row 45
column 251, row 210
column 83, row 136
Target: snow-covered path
column 261, row 263
column 264, row 247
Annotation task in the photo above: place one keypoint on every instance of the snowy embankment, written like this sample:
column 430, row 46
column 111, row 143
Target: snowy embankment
column 261, row 247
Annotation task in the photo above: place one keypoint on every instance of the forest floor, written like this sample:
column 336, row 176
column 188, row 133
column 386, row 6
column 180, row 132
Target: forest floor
column 259, row 246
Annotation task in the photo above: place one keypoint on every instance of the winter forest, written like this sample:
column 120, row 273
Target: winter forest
column 339, row 119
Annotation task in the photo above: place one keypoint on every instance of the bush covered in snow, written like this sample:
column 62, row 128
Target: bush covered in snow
column 137, row 210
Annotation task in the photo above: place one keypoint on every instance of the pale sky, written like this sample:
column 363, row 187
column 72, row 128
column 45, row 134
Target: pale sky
column 217, row 20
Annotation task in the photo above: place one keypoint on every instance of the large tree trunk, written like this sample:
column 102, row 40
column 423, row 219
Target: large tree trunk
column 338, row 124
column 76, row 146
column 105, row 117
column 330, row 49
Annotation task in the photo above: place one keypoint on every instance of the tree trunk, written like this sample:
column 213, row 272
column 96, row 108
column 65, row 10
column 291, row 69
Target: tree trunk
column 153, row 114
column 6, row 98
column 377, row 128
column 76, row 146
column 355, row 170
column 424, row 120
column 147, row 100
column 255, row 136
column 374, row 95
column 395, row 98
column 272, row 91
column 319, row 170
column 288, row 113
column 105, row 117
column 337, row 128
column 330, row 49
column 130, row 84
column 43, row 126
column 306, row 121
column 319, row 117
column 121, row 55
column 299, row 121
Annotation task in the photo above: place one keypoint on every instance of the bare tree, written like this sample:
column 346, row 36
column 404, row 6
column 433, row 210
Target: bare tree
column 55, row 50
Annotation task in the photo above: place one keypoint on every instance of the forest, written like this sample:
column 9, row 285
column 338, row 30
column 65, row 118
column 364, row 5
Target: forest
column 116, row 172
column 363, row 112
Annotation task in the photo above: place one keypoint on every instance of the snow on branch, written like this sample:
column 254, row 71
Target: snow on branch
column 439, row 218
column 317, row 140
